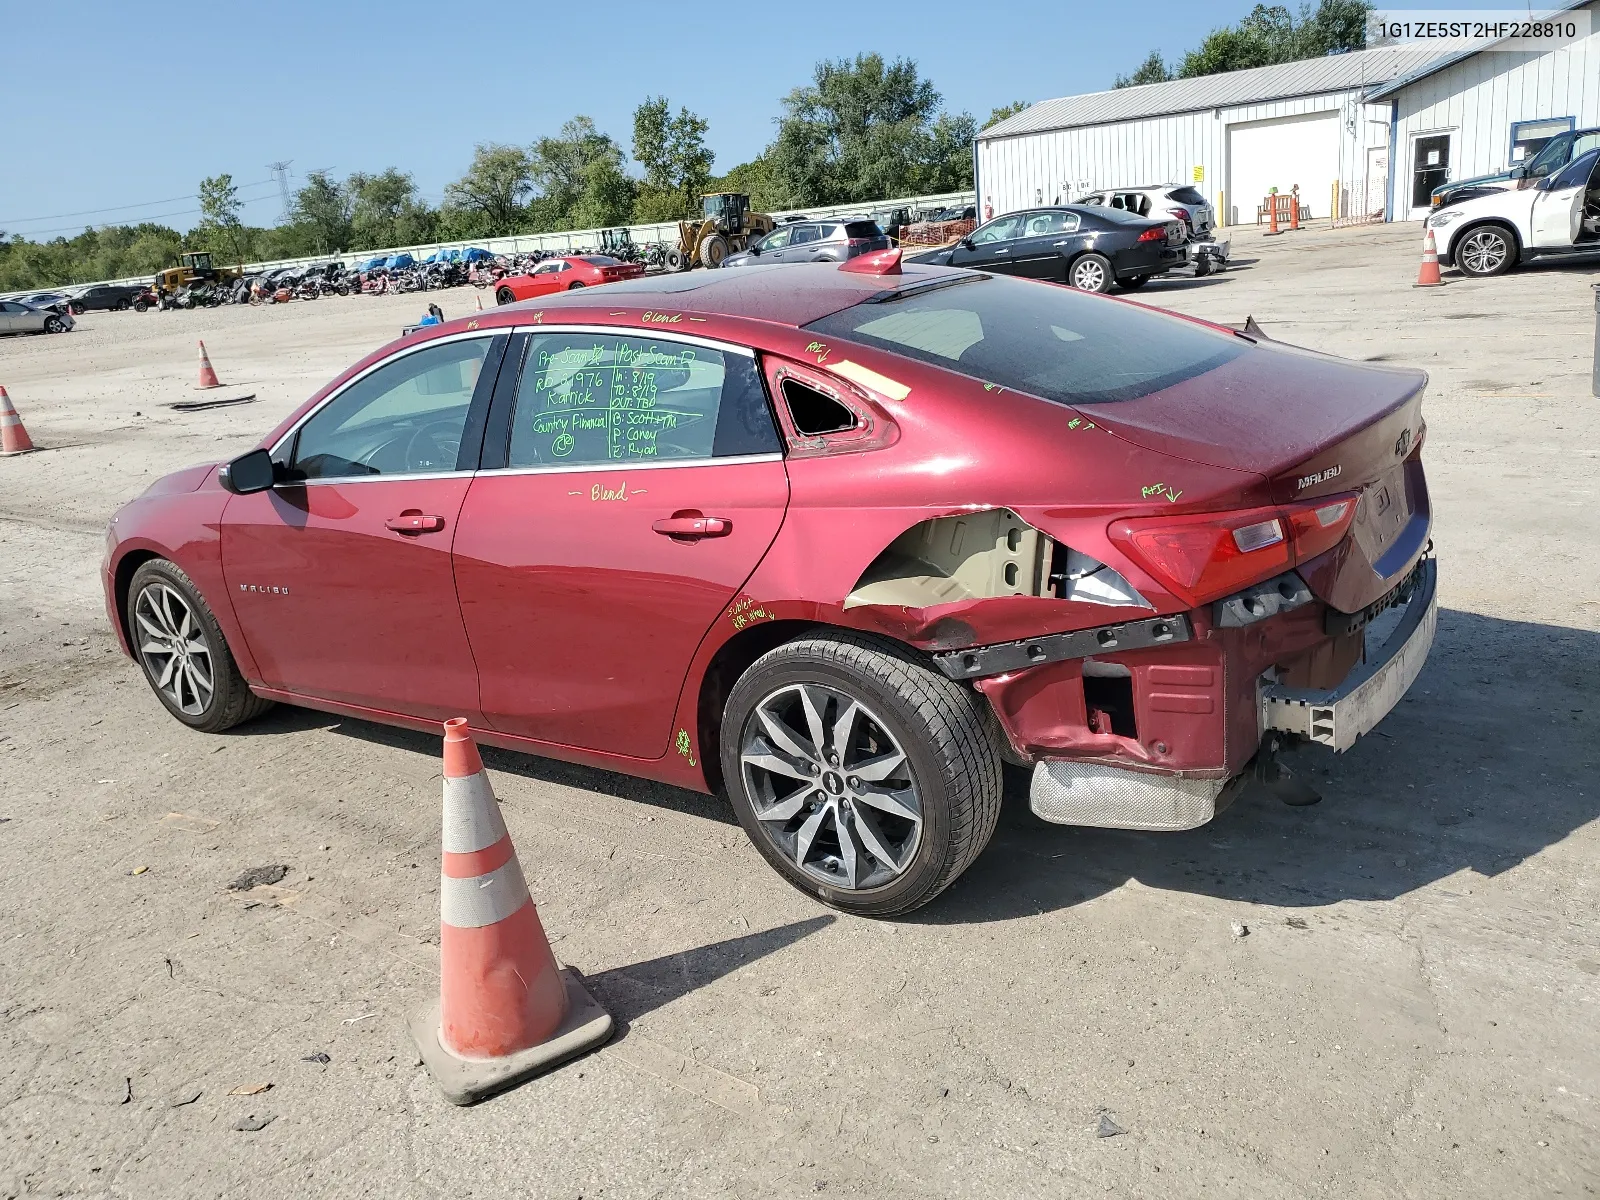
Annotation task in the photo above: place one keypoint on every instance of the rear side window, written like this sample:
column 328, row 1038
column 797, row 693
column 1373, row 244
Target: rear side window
column 588, row 400
column 862, row 229
column 1186, row 195
column 1053, row 342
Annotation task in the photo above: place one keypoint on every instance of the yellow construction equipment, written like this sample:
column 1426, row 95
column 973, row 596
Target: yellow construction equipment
column 727, row 225
column 194, row 267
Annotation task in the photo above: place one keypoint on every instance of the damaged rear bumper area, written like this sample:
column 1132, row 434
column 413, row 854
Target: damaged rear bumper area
column 1336, row 717
column 1146, row 724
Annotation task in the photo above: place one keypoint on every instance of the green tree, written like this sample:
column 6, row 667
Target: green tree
column 381, row 207
column 863, row 129
column 1270, row 34
column 997, row 115
column 325, row 208
column 564, row 170
column 488, row 200
column 608, row 195
column 673, row 153
column 1151, row 70
column 220, row 227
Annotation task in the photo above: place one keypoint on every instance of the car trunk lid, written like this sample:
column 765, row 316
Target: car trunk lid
column 1313, row 426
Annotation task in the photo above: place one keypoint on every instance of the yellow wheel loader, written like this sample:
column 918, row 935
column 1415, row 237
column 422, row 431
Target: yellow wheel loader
column 727, row 225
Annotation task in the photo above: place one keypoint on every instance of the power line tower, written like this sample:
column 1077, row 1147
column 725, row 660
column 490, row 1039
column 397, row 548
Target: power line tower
column 281, row 170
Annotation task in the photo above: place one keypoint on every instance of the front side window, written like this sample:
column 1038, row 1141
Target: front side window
column 1001, row 229
column 1053, row 342
column 405, row 418
column 776, row 240
column 1576, row 173
column 593, row 399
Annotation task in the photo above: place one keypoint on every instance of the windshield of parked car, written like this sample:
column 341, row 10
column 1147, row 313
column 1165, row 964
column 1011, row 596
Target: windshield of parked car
column 1064, row 345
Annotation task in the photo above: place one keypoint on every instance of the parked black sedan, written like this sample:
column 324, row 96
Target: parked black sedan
column 1088, row 248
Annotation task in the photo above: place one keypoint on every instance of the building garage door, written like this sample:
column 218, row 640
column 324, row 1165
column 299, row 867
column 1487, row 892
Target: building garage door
column 1280, row 153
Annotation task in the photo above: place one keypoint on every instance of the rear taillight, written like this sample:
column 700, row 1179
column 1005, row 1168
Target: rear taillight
column 1181, row 213
column 1158, row 233
column 859, row 245
column 1205, row 556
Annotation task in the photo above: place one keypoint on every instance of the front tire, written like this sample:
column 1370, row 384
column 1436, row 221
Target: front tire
column 505, row 296
column 1090, row 272
column 184, row 656
column 54, row 324
column 713, row 250
column 865, row 777
column 676, row 261
column 140, row 306
column 1485, row 251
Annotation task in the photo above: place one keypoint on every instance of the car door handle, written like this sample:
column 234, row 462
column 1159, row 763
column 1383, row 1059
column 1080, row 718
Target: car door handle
column 694, row 527
column 1063, row 242
column 1002, row 252
column 412, row 521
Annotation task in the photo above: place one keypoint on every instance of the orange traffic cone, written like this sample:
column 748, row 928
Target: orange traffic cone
column 480, row 301
column 14, row 438
column 506, row 1011
column 1428, row 272
column 208, row 376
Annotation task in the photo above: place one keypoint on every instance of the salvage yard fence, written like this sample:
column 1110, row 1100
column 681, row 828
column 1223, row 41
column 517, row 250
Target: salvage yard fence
column 567, row 241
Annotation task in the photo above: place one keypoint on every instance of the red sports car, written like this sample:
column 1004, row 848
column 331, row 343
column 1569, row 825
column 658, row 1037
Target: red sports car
column 839, row 540
column 564, row 275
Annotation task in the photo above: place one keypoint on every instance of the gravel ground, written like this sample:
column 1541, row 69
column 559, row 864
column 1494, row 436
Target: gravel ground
column 1411, row 1012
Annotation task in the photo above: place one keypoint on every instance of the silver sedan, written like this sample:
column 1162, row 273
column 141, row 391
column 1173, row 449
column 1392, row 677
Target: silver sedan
column 19, row 318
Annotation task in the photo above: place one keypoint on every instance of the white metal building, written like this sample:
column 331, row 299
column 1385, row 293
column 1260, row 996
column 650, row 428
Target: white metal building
column 1330, row 125
column 1475, row 113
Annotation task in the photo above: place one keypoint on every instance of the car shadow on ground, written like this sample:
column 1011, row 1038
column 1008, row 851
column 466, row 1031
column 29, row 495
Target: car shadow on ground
column 284, row 719
column 1489, row 759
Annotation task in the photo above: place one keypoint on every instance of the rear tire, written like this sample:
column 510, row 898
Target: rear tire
column 575, row 286
column 925, row 740
column 179, row 645
column 1486, row 251
column 1090, row 272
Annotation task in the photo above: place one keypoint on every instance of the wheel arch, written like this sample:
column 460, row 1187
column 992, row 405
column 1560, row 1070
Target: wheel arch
column 121, row 583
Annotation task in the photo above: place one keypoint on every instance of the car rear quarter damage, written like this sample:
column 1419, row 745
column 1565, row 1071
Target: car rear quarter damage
column 1002, row 556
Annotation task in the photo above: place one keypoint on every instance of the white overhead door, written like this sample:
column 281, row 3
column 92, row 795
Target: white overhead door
column 1281, row 153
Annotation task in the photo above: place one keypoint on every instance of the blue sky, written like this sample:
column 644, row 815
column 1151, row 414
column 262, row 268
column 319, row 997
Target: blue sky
column 159, row 95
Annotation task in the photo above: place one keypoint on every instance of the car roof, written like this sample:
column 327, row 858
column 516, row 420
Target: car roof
column 792, row 294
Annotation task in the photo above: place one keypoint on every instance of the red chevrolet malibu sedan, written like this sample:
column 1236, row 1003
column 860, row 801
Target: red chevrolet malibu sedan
column 839, row 540
column 565, row 275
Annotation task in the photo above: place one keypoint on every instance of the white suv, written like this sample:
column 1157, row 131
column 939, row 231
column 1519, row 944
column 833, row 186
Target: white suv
column 1166, row 202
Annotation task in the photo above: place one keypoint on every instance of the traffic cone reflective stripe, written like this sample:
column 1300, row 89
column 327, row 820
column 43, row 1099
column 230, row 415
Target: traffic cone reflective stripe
column 1428, row 272
column 14, row 438
column 506, row 1010
column 208, row 377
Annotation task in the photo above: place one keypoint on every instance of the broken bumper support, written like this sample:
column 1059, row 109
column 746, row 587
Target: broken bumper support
column 1336, row 717
column 1057, row 647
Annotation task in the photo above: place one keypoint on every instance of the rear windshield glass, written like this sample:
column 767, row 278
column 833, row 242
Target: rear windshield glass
column 599, row 260
column 1187, row 195
column 862, row 229
column 1054, row 342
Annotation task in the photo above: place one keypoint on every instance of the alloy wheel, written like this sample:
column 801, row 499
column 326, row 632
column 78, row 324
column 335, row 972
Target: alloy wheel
column 174, row 649
column 1483, row 251
column 832, row 788
column 1088, row 276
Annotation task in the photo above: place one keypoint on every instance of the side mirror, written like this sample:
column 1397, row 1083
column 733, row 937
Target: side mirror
column 253, row 472
column 965, row 243
column 754, row 248
column 1519, row 172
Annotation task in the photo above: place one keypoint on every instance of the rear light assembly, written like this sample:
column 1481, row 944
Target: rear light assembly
column 1182, row 214
column 858, row 245
column 1206, row 556
column 1156, row 233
